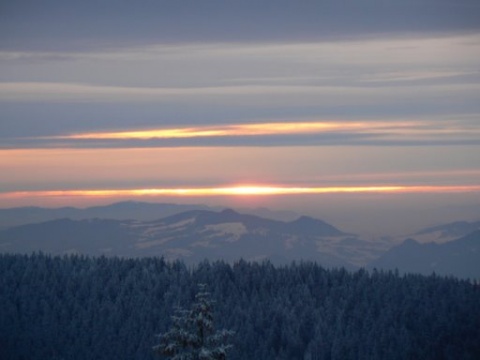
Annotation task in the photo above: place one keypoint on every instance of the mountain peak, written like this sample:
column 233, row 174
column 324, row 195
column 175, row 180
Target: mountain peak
column 306, row 219
column 458, row 257
column 311, row 226
column 229, row 211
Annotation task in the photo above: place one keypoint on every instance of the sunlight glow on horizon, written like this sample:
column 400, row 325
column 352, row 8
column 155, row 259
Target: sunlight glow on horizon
column 242, row 191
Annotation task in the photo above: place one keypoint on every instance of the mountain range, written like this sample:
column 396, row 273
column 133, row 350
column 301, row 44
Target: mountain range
column 195, row 235
column 446, row 232
column 459, row 257
column 192, row 233
column 125, row 210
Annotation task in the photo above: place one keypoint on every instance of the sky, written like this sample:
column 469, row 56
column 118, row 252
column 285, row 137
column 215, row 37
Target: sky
column 365, row 113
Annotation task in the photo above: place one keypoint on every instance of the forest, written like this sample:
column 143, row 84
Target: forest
column 78, row 307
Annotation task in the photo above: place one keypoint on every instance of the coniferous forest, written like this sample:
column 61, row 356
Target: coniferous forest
column 77, row 307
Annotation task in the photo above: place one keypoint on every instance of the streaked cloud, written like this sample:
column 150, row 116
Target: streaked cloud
column 247, row 94
column 91, row 24
column 300, row 132
column 278, row 128
column 157, row 86
column 211, row 65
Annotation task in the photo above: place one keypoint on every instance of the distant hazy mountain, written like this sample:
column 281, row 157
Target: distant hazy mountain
column 281, row 215
column 127, row 210
column 447, row 232
column 459, row 258
column 192, row 236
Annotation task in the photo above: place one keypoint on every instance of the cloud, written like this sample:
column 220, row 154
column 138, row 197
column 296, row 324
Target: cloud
column 54, row 24
column 231, row 95
column 420, row 78
column 267, row 134
column 210, row 64
column 415, row 70
column 393, row 129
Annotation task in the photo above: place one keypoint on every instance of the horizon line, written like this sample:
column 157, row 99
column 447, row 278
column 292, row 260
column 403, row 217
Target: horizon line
column 240, row 190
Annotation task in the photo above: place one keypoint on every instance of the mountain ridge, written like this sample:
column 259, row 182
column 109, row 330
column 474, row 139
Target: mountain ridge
column 227, row 234
column 124, row 210
column 447, row 232
column 460, row 257
column 192, row 236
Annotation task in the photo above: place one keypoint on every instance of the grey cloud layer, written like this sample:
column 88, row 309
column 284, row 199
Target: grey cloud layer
column 89, row 24
column 214, row 62
column 241, row 141
column 57, row 93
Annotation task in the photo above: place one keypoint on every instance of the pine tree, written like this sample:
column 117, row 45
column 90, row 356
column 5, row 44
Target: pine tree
column 193, row 335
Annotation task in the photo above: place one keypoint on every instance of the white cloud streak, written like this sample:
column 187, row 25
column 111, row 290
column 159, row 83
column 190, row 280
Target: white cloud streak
column 369, row 71
column 247, row 94
column 208, row 63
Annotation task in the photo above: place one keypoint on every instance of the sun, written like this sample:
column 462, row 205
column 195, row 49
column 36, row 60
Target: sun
column 252, row 190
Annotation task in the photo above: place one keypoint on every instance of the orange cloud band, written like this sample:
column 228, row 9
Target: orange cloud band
column 242, row 191
column 273, row 128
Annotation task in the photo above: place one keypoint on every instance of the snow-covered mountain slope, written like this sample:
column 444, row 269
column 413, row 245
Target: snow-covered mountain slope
column 195, row 235
column 460, row 257
column 446, row 232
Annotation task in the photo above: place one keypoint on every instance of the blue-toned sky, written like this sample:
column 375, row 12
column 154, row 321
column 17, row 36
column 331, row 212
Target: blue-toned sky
column 360, row 112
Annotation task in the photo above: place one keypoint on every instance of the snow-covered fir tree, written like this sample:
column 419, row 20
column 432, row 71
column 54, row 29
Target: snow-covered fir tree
column 193, row 335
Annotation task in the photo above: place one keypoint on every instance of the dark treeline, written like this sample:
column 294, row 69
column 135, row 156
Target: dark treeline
column 108, row 308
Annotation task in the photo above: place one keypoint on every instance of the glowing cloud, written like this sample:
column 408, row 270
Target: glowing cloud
column 269, row 128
